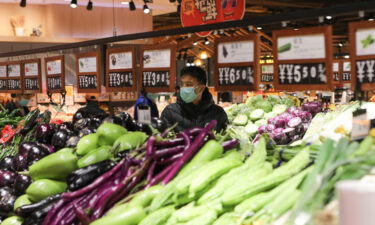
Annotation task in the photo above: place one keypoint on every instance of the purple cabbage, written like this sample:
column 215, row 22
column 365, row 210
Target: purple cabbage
column 262, row 129
column 294, row 122
column 270, row 127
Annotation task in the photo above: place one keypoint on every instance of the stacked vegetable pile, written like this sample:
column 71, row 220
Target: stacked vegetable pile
column 9, row 118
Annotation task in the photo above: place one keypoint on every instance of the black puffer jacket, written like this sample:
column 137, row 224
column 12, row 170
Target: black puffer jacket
column 188, row 115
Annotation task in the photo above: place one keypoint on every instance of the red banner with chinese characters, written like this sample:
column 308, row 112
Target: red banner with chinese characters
column 199, row 12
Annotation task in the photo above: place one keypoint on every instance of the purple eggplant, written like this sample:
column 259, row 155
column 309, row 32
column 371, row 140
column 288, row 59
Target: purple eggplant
column 7, row 178
column 262, row 129
column 59, row 139
column 66, row 126
column 19, row 163
column 50, row 148
column 82, row 124
column 84, row 132
column 6, row 201
column 6, row 163
column 72, row 142
column 25, row 147
column 21, row 183
column 44, row 133
column 112, row 119
column 36, row 153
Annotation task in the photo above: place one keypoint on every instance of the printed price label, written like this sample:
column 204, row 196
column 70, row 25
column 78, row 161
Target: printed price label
column 156, row 78
column 31, row 84
column 240, row 75
column 365, row 70
column 3, row 85
column 121, row 79
column 346, row 76
column 14, row 84
column 312, row 73
column 267, row 78
column 54, row 83
column 336, row 77
column 87, row 82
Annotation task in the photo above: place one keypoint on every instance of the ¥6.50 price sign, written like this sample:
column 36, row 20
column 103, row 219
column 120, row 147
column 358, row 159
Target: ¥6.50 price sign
column 3, row 84
column 120, row 79
column 31, row 84
column 14, row 84
column 54, row 83
column 365, row 70
column 87, row 82
column 240, row 75
column 156, row 78
column 311, row 73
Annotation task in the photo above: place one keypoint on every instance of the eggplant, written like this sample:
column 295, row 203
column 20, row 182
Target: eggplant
column 144, row 128
column 113, row 119
column 72, row 142
column 59, row 139
column 157, row 124
column 6, row 163
column 77, row 116
column 7, row 200
column 26, row 210
column 81, row 124
column 36, row 153
column 7, row 178
column 50, row 148
column 21, row 183
column 44, row 133
column 66, row 126
column 30, row 121
column 19, row 163
column 128, row 122
column 25, row 147
column 84, row 132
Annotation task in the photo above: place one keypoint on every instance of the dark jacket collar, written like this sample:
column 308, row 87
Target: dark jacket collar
column 205, row 103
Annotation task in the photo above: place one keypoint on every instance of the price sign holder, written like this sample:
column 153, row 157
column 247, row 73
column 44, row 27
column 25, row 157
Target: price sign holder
column 3, row 77
column 313, row 67
column 14, row 79
column 247, row 71
column 362, row 54
column 150, row 76
column 336, row 71
column 55, row 73
column 266, row 76
column 32, row 83
column 120, row 79
column 88, row 79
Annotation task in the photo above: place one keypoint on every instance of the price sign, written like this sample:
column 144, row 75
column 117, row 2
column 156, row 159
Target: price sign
column 158, row 68
column 55, row 73
column 14, row 84
column 336, row 71
column 120, row 71
column 266, row 78
column 362, row 54
column 235, row 67
column 156, row 79
column 303, row 59
column 266, row 73
column 32, row 81
column 3, row 78
column 3, row 84
column 87, row 68
column 14, row 74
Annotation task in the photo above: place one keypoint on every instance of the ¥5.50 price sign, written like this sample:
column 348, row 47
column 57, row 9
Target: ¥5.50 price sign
column 240, row 75
column 14, row 84
column 54, row 83
column 120, row 79
column 31, row 84
column 309, row 73
column 87, row 81
column 156, row 79
column 3, row 84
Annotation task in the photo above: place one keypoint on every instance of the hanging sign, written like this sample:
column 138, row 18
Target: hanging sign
column 158, row 68
column 235, row 64
column 303, row 59
column 14, row 77
column 3, row 78
column 55, row 73
column 87, row 68
column 362, row 54
column 32, row 79
column 200, row 12
column 120, row 71
column 266, row 73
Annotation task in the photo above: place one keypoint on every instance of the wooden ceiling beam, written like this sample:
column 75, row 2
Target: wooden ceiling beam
column 264, row 46
column 206, row 48
column 188, row 42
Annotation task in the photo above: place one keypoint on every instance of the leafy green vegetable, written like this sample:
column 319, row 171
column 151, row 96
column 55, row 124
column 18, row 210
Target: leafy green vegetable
column 261, row 122
column 278, row 109
column 273, row 99
column 252, row 101
column 240, row 120
column 257, row 114
column 265, row 105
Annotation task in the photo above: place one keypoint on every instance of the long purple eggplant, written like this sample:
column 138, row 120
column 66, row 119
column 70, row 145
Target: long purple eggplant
column 150, row 146
column 227, row 145
column 167, row 161
column 169, row 151
column 83, row 218
column 160, row 176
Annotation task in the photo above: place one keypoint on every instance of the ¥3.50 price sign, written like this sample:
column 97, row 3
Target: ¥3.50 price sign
column 362, row 54
column 158, row 67
column 236, row 64
column 120, row 71
column 303, row 59
column 87, row 68
column 32, row 76
column 55, row 73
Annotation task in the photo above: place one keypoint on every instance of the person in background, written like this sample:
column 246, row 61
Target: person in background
column 143, row 100
column 12, row 104
column 92, row 107
column 195, row 105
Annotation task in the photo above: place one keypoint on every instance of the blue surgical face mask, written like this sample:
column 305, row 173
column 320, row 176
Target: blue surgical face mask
column 188, row 94
column 23, row 102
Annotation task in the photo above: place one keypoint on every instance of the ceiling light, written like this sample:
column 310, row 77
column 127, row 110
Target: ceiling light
column 259, row 28
column 132, row 5
column 195, row 43
column 371, row 19
column 187, row 64
column 89, row 5
column 146, row 10
column 73, row 4
column 124, row 3
column 295, row 29
column 206, row 41
column 198, row 62
column 203, row 55
column 346, row 56
column 23, row 3
column 340, row 44
column 328, row 17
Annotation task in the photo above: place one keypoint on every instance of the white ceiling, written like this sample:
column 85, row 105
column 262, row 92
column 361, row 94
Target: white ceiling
column 158, row 7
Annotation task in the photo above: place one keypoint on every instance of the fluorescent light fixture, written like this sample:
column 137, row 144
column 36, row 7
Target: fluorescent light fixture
column 73, row 4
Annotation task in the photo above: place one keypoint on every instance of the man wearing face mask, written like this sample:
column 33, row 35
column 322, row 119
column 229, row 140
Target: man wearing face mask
column 195, row 105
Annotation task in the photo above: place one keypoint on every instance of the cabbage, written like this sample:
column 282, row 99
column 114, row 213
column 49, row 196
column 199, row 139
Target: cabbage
column 256, row 114
column 269, row 115
column 278, row 109
column 261, row 122
column 266, row 106
column 251, row 129
column 273, row 99
column 240, row 120
column 287, row 101
column 253, row 100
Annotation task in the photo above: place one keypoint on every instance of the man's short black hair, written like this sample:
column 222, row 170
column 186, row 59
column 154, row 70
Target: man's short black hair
column 196, row 72
column 13, row 95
